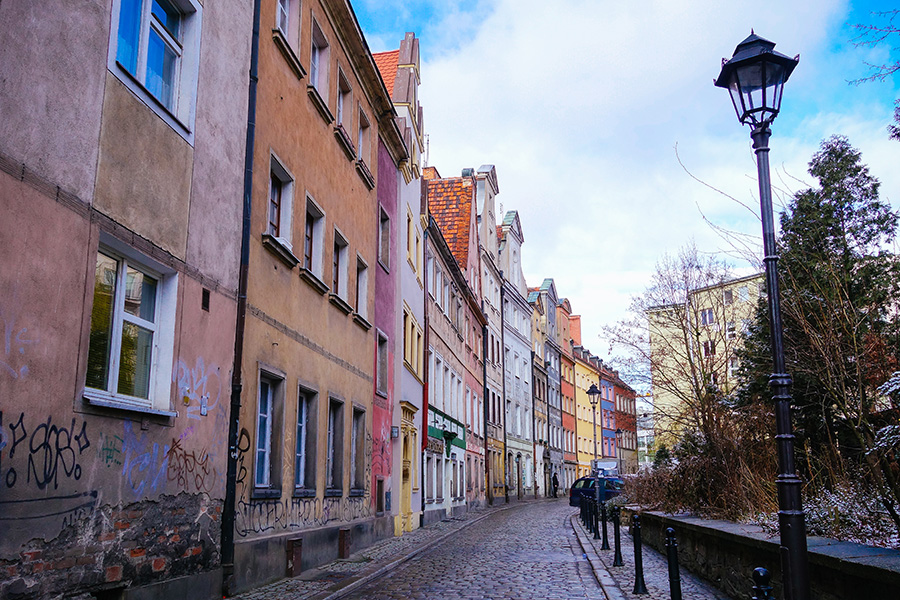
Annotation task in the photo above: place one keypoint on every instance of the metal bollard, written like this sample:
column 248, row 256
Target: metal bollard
column 639, row 586
column 616, row 517
column 596, row 520
column 762, row 590
column 672, row 556
column 605, row 544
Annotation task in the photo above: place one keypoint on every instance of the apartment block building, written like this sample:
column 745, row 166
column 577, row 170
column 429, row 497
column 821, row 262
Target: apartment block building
column 315, row 452
column 713, row 320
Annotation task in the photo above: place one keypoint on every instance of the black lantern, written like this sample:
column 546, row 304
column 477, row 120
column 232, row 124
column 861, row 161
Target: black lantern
column 593, row 394
column 755, row 77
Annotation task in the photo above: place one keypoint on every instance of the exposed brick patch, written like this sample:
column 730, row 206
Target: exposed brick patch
column 65, row 563
column 163, row 543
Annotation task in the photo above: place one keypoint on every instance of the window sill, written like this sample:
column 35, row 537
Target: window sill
column 384, row 266
column 340, row 303
column 340, row 134
column 333, row 493
column 277, row 247
column 289, row 55
column 264, row 493
column 319, row 103
column 361, row 321
column 304, row 493
column 357, row 493
column 364, row 174
column 313, row 280
column 119, row 402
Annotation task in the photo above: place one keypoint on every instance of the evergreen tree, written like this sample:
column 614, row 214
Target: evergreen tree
column 839, row 307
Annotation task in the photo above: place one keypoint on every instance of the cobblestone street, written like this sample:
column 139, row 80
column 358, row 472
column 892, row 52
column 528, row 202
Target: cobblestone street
column 526, row 552
column 533, row 550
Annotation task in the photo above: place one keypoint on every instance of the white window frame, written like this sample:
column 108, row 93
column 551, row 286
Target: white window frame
column 362, row 288
column 263, row 477
column 334, row 472
column 304, row 440
column 340, row 265
column 362, row 137
column 316, row 264
column 163, row 345
column 180, row 116
column 286, row 179
column 344, row 100
column 318, row 61
column 357, row 448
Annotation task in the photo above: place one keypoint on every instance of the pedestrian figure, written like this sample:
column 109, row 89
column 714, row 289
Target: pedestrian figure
column 555, row 485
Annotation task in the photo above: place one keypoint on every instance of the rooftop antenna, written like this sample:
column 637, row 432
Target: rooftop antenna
column 427, row 147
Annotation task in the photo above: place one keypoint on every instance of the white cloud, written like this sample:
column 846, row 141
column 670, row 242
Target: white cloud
column 580, row 105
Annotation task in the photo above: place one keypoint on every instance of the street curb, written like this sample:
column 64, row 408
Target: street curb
column 604, row 578
column 352, row 584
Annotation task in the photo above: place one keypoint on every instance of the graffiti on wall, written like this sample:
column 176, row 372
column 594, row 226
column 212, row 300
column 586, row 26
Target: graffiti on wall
column 278, row 515
column 191, row 470
column 16, row 339
column 52, row 452
column 261, row 516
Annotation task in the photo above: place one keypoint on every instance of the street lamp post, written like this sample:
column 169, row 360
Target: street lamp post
column 594, row 396
column 755, row 77
column 619, row 433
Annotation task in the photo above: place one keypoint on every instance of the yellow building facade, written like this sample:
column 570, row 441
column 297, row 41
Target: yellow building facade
column 693, row 350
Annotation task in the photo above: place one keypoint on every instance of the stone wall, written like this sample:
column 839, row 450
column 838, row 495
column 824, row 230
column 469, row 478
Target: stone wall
column 726, row 553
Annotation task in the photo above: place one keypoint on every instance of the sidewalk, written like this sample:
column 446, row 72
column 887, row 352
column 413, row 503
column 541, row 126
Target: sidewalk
column 618, row 582
column 341, row 577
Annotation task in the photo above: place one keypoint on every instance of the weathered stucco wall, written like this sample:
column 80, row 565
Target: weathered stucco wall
column 95, row 498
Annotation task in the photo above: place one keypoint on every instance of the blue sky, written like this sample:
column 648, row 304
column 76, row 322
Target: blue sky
column 593, row 111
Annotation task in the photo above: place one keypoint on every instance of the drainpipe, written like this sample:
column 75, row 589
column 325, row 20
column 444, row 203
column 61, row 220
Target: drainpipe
column 426, row 366
column 533, row 432
column 228, row 513
column 484, row 379
column 503, row 381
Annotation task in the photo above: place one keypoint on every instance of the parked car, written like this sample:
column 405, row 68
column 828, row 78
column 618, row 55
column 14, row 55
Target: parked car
column 586, row 487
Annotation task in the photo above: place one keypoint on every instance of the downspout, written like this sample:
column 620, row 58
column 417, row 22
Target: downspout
column 425, row 386
column 228, row 513
column 503, row 381
column 484, row 379
column 533, row 432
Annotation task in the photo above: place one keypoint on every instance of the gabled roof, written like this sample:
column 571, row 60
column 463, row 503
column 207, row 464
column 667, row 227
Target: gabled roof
column 387, row 65
column 450, row 203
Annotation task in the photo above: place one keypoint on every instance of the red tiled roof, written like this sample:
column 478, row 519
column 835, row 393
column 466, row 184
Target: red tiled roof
column 450, row 203
column 387, row 65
